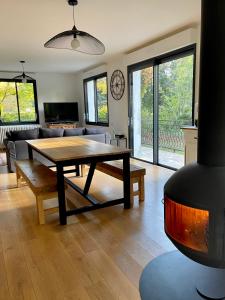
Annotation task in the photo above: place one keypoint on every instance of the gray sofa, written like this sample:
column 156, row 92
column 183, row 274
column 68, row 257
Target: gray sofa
column 16, row 146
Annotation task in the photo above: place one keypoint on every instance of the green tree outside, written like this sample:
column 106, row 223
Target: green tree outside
column 175, row 101
column 101, row 85
column 9, row 91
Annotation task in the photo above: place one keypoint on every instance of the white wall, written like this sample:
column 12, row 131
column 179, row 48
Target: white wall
column 118, row 110
column 52, row 87
column 69, row 87
column 56, row 88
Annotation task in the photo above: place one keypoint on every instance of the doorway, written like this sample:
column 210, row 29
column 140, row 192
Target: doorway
column 161, row 101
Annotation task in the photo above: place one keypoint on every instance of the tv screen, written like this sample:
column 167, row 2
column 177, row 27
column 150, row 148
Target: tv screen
column 61, row 112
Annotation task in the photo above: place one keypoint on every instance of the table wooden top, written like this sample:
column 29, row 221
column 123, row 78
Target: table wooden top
column 68, row 148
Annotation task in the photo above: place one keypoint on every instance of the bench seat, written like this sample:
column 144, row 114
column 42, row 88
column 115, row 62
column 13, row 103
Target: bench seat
column 41, row 180
column 115, row 169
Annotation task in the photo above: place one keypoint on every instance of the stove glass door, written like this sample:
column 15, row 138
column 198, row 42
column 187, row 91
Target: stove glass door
column 186, row 225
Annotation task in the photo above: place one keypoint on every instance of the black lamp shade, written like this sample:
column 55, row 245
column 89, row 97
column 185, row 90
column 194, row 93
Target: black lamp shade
column 23, row 77
column 86, row 43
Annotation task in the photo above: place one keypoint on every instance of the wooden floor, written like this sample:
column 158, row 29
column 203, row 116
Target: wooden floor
column 98, row 255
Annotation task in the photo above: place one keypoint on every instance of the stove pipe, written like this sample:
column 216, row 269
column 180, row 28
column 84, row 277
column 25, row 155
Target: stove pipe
column 211, row 120
column 195, row 194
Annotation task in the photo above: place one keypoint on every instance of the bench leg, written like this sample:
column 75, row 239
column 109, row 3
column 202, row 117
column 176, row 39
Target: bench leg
column 77, row 170
column 141, row 188
column 82, row 168
column 131, row 192
column 40, row 210
column 18, row 178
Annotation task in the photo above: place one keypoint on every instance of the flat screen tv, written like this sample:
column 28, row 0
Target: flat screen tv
column 58, row 112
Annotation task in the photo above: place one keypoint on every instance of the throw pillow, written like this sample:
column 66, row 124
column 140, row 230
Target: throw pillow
column 74, row 131
column 51, row 132
column 29, row 134
column 91, row 130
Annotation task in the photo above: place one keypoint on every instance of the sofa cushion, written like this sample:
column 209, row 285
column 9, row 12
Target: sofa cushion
column 101, row 137
column 91, row 130
column 51, row 132
column 74, row 131
column 28, row 134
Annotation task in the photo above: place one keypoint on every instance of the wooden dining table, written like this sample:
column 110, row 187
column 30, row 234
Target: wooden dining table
column 75, row 151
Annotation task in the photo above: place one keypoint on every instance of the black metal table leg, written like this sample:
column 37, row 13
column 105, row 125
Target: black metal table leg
column 30, row 152
column 77, row 170
column 126, row 180
column 89, row 178
column 61, row 195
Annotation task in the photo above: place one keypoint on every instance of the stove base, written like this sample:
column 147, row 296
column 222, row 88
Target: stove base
column 174, row 276
column 211, row 284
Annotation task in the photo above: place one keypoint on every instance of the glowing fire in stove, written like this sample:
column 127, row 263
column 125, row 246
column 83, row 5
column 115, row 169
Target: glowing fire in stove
column 186, row 225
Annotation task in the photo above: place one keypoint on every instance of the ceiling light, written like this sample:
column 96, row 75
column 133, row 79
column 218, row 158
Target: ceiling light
column 75, row 44
column 23, row 77
column 76, row 40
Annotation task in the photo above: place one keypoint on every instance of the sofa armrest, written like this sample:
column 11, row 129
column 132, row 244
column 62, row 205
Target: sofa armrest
column 108, row 137
column 101, row 137
column 11, row 148
column 17, row 149
column 10, row 155
column 5, row 142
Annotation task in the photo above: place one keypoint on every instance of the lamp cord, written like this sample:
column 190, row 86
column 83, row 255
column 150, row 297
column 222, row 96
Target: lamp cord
column 23, row 69
column 73, row 17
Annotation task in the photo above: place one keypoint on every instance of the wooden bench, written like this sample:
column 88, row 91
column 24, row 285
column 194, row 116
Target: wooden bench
column 41, row 180
column 115, row 169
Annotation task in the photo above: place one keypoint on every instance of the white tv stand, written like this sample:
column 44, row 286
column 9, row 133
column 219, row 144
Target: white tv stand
column 62, row 125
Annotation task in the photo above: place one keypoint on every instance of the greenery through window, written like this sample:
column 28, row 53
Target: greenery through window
column 18, row 102
column 96, row 100
column 175, row 91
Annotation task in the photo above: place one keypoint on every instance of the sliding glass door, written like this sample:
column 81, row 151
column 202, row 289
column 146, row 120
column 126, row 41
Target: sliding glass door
column 142, row 118
column 175, row 101
column 160, row 103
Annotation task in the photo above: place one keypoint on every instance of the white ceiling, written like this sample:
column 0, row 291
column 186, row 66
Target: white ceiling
column 122, row 25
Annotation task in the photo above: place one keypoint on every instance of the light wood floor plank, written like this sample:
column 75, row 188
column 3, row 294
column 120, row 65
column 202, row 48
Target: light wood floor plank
column 98, row 255
column 45, row 280
column 4, row 287
column 100, row 291
column 123, row 289
column 19, row 280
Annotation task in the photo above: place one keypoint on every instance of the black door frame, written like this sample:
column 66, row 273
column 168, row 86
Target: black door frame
column 155, row 62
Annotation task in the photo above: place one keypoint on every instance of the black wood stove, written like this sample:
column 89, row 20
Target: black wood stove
column 194, row 197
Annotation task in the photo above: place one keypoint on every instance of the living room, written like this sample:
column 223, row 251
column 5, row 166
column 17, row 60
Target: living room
column 79, row 129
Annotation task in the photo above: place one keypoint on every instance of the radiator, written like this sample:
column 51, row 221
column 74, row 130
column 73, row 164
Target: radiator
column 5, row 129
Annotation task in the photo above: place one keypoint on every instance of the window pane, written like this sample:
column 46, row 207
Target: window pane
column 175, row 108
column 8, row 102
column 26, row 102
column 101, row 86
column 142, row 102
column 91, row 101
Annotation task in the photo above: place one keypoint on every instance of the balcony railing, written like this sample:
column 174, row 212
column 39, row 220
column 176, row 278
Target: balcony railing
column 170, row 134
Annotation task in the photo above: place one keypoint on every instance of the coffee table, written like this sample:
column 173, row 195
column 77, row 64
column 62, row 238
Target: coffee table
column 74, row 151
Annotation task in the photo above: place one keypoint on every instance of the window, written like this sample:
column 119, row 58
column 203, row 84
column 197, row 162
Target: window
column 18, row 102
column 161, row 101
column 96, row 100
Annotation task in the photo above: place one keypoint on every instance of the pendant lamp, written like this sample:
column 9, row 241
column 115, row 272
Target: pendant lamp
column 23, row 77
column 76, row 40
